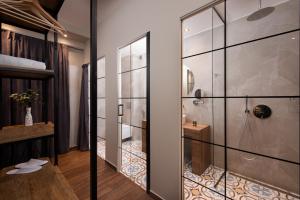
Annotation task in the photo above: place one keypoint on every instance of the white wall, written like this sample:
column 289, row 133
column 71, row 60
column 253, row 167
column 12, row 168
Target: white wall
column 75, row 76
column 121, row 22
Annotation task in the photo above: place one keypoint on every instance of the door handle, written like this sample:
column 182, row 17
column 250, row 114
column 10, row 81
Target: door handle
column 120, row 109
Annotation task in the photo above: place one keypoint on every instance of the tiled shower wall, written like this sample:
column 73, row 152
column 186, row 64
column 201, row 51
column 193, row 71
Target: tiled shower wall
column 267, row 67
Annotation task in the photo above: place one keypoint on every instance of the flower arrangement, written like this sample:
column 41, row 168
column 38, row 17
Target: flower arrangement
column 25, row 98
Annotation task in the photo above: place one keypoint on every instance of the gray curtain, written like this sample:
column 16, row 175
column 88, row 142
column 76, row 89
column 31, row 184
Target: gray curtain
column 83, row 131
column 27, row 47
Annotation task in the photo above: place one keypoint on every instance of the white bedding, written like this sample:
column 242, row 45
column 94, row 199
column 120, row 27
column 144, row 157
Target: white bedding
column 10, row 61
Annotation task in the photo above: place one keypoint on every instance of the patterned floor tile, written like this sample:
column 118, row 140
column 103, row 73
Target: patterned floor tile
column 238, row 187
column 133, row 164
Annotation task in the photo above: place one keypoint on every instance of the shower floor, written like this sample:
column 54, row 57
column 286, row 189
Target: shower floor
column 237, row 187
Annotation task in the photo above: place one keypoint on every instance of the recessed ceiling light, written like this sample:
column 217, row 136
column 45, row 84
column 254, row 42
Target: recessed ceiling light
column 293, row 38
column 65, row 35
column 187, row 30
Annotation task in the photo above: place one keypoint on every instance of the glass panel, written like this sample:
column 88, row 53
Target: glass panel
column 138, row 54
column 124, row 54
column 266, row 67
column 132, row 101
column 207, row 76
column 101, row 68
column 126, row 111
column 138, row 83
column 126, row 163
column 138, row 115
column 208, row 114
column 197, row 33
column 126, row 137
column 204, row 164
column 246, row 180
column 101, row 108
column 248, row 20
column 218, row 26
column 201, row 75
column 101, row 87
column 101, row 128
column 194, row 190
column 138, row 171
column 276, row 136
column 218, row 73
column 125, row 85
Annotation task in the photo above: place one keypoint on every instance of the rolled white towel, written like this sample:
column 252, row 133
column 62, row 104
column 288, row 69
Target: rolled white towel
column 11, row 61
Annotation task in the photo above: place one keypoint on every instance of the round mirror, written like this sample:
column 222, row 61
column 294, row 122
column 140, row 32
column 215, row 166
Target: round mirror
column 188, row 80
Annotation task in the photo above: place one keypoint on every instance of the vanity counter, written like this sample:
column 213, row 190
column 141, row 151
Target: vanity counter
column 199, row 132
column 200, row 150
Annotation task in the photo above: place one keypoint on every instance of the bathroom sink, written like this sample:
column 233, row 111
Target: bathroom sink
column 199, row 132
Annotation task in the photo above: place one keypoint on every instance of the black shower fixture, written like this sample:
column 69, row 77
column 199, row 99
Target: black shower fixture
column 262, row 111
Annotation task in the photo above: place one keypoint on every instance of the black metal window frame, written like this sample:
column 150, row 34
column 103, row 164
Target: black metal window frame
column 225, row 146
column 147, row 98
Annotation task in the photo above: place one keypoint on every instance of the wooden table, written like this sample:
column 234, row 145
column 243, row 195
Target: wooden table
column 201, row 154
column 17, row 133
column 45, row 184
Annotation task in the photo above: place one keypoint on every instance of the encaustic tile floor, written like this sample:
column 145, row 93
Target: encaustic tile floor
column 196, row 187
column 133, row 160
column 238, row 187
column 134, row 164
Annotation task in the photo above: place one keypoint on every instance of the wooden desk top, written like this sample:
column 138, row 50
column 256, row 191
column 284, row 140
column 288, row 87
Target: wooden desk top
column 200, row 132
column 16, row 133
column 47, row 183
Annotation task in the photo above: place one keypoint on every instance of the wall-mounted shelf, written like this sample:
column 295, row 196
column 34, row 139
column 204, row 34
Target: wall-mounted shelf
column 24, row 73
column 10, row 134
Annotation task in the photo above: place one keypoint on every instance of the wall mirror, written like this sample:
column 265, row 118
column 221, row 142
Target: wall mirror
column 188, row 80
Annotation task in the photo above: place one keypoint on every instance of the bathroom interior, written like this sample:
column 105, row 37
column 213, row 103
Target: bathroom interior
column 240, row 101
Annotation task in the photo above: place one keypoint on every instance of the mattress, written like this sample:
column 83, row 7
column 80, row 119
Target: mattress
column 15, row 62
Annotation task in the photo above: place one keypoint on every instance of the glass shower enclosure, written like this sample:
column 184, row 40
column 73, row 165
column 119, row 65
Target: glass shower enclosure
column 240, row 100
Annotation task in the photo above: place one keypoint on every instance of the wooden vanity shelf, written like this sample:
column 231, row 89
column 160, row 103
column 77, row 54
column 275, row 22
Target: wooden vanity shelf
column 47, row 183
column 10, row 134
column 200, row 151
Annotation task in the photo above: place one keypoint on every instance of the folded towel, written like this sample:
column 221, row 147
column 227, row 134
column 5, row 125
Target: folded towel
column 10, row 61
column 24, row 170
column 31, row 163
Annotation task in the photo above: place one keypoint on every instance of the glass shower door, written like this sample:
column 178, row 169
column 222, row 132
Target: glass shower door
column 132, row 108
column 240, row 100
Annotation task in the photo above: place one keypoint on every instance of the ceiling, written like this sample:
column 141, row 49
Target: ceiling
column 236, row 9
column 74, row 15
column 52, row 6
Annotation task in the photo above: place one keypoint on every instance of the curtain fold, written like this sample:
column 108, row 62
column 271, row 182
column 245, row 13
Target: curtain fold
column 18, row 45
column 83, row 130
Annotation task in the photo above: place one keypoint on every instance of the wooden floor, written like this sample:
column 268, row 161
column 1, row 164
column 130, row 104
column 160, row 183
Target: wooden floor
column 111, row 184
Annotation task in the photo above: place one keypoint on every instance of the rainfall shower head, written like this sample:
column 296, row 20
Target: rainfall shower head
column 261, row 13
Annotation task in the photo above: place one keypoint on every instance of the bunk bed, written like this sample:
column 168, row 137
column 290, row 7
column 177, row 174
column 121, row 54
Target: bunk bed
column 48, row 182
